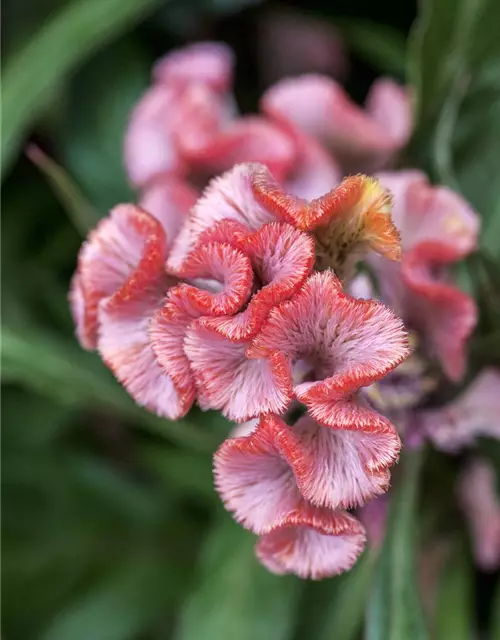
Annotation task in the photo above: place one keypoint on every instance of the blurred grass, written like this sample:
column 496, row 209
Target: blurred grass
column 394, row 608
column 61, row 43
column 235, row 597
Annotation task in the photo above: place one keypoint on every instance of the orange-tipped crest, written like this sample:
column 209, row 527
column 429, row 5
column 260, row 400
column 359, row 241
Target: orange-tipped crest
column 347, row 221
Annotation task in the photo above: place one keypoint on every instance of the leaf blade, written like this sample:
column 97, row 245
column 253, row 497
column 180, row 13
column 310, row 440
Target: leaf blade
column 236, row 597
column 394, row 609
column 118, row 607
column 59, row 369
column 60, row 45
column 80, row 212
column 454, row 616
column 454, row 64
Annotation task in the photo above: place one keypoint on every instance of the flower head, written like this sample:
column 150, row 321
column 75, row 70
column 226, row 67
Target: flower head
column 361, row 139
column 230, row 312
column 241, row 298
column 347, row 222
column 437, row 228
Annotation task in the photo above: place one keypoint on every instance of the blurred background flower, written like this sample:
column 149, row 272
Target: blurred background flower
column 111, row 526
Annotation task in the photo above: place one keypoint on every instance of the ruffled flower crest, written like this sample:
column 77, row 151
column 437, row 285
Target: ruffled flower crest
column 347, row 222
column 217, row 299
column 187, row 125
column 361, row 139
column 438, row 228
column 119, row 283
column 226, row 309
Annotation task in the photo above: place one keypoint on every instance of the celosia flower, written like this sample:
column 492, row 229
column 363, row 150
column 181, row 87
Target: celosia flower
column 473, row 414
column 478, row 496
column 361, row 139
column 257, row 482
column 437, row 229
column 337, row 341
column 346, row 222
column 242, row 299
column 230, row 312
column 186, row 125
column 188, row 98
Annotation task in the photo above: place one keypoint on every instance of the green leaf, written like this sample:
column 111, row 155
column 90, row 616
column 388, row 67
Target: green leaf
column 67, row 517
column 30, row 420
column 22, row 21
column 119, row 607
column 454, row 615
column 394, row 608
column 91, row 135
column 487, row 274
column 236, row 597
column 431, row 53
column 335, row 608
column 454, row 65
column 60, row 370
column 80, row 212
column 34, row 227
column 56, row 368
column 344, row 613
column 63, row 42
column 186, row 473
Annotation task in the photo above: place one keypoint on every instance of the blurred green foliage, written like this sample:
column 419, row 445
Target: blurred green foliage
column 455, row 66
column 111, row 527
column 394, row 608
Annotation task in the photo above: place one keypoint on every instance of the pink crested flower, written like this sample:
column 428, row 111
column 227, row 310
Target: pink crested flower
column 225, row 307
column 474, row 413
column 187, row 127
column 188, row 98
column 109, row 259
column 208, row 63
column 360, row 342
column 337, row 466
column 300, row 146
column 228, row 197
column 360, row 138
column 480, row 502
column 312, row 543
column 186, row 124
column 120, row 281
column 347, row 222
column 258, row 484
column 239, row 296
column 218, row 347
column 437, row 228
